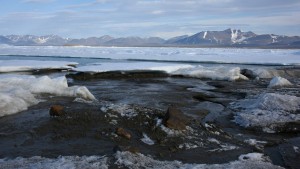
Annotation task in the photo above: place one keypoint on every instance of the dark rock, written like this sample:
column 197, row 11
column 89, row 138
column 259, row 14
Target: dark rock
column 248, row 73
column 57, row 110
column 116, row 149
column 117, row 75
column 175, row 119
column 290, row 152
column 122, row 132
column 133, row 150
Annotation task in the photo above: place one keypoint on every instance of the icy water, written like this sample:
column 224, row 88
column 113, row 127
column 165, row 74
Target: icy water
column 237, row 119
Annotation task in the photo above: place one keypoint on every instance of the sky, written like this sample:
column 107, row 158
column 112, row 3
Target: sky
column 146, row 18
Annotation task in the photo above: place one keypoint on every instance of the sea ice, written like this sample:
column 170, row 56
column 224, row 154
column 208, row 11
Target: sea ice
column 279, row 82
column 27, row 65
column 267, row 111
column 17, row 93
column 220, row 55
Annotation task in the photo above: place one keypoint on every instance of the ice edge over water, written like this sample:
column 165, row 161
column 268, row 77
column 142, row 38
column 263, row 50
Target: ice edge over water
column 17, row 93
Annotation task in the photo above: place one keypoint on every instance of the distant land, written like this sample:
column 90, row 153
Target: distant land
column 226, row 38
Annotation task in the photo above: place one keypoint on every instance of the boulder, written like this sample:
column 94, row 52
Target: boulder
column 122, row 132
column 175, row 119
column 57, row 110
column 248, row 73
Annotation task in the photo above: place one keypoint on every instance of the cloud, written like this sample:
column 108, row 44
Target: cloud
column 149, row 17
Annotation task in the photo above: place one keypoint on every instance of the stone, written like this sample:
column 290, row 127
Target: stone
column 122, row 132
column 248, row 73
column 57, row 110
column 175, row 119
column 133, row 150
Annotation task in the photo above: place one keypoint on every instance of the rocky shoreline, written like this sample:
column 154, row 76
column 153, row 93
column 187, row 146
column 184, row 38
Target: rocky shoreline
column 167, row 117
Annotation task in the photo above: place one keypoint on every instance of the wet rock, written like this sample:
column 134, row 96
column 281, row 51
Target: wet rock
column 117, row 74
column 248, row 73
column 123, row 133
column 133, row 150
column 116, row 149
column 57, row 110
column 175, row 119
column 290, row 152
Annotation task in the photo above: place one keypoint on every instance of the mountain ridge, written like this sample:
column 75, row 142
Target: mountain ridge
column 225, row 38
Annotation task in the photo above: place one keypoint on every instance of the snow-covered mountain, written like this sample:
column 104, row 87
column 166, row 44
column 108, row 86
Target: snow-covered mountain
column 225, row 38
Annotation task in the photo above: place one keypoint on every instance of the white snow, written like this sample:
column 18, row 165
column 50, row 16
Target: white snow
column 205, row 33
column 234, row 36
column 62, row 162
column 247, row 161
column 19, row 92
column 267, row 111
column 26, row 65
column 279, row 82
column 147, row 140
column 223, row 55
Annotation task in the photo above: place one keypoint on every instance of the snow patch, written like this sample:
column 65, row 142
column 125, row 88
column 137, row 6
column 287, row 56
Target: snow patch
column 147, row 140
column 279, row 82
column 204, row 35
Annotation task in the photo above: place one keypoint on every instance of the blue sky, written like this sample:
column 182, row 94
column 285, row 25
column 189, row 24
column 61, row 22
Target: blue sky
column 145, row 18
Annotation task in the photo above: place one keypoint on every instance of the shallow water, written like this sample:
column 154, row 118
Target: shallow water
column 137, row 103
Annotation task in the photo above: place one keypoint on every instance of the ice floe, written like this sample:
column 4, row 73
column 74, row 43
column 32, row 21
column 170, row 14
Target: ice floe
column 267, row 111
column 279, row 82
column 28, row 65
column 17, row 93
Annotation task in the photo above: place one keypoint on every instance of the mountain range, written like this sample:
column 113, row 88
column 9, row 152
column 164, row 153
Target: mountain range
column 226, row 38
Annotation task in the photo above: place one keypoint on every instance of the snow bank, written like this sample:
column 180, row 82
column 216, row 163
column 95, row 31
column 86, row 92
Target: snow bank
column 17, row 93
column 63, row 162
column 27, row 65
column 268, row 111
column 279, row 82
column 247, row 161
